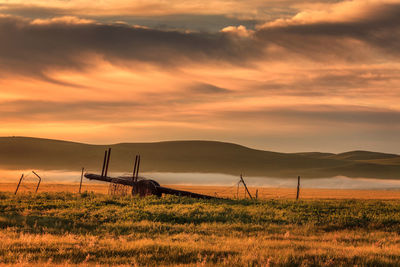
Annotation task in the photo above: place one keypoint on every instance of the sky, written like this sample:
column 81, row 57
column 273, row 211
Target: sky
column 281, row 75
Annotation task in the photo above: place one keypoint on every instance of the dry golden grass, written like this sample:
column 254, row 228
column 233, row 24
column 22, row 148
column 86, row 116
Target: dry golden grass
column 54, row 187
column 222, row 191
column 95, row 229
column 287, row 249
column 290, row 193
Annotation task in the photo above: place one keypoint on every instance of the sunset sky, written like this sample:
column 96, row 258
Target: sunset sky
column 283, row 75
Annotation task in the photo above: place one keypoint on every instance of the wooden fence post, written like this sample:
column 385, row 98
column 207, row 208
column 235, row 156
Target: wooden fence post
column 107, row 162
column 40, row 179
column 104, row 163
column 245, row 186
column 19, row 183
column 137, row 169
column 134, row 169
column 80, row 185
column 298, row 188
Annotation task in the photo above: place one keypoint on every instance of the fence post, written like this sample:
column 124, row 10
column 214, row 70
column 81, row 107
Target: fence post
column 104, row 163
column 19, row 183
column 80, row 185
column 298, row 187
column 137, row 169
column 245, row 186
column 40, row 179
column 134, row 169
column 108, row 162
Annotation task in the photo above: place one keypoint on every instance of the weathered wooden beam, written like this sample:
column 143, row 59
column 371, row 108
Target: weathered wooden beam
column 170, row 191
column 118, row 180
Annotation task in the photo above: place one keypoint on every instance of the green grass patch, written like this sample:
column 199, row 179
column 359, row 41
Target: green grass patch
column 70, row 228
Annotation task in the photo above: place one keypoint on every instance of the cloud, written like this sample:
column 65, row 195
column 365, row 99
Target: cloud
column 62, row 20
column 338, row 81
column 179, row 105
column 371, row 34
column 239, row 31
column 207, row 89
column 159, row 109
column 65, row 43
column 37, row 47
column 329, row 115
column 167, row 21
column 248, row 9
column 339, row 12
column 61, row 111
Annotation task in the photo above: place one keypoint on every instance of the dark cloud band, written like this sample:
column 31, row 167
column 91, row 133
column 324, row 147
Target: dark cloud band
column 34, row 48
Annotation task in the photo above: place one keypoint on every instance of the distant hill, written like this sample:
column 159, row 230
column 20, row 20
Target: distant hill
column 193, row 156
column 363, row 155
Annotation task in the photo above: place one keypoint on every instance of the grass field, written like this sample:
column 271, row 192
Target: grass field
column 61, row 228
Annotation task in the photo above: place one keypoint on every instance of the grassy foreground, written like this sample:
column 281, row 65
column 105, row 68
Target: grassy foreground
column 67, row 229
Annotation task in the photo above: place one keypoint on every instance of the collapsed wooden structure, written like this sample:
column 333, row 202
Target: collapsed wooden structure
column 141, row 186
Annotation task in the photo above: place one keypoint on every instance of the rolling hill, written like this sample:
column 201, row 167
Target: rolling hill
column 193, row 156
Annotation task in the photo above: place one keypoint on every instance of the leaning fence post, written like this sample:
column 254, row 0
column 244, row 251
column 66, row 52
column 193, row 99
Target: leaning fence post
column 245, row 186
column 137, row 169
column 108, row 161
column 19, row 183
column 40, row 179
column 298, row 187
column 134, row 169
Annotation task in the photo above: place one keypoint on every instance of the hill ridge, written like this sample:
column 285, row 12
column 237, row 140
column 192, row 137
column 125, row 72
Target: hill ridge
column 193, row 156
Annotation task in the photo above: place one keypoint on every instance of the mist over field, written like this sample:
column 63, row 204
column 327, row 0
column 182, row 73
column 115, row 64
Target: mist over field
column 200, row 163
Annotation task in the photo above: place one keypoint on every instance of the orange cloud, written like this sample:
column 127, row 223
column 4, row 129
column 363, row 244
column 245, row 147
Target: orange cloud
column 62, row 20
column 346, row 11
column 252, row 8
column 239, row 30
